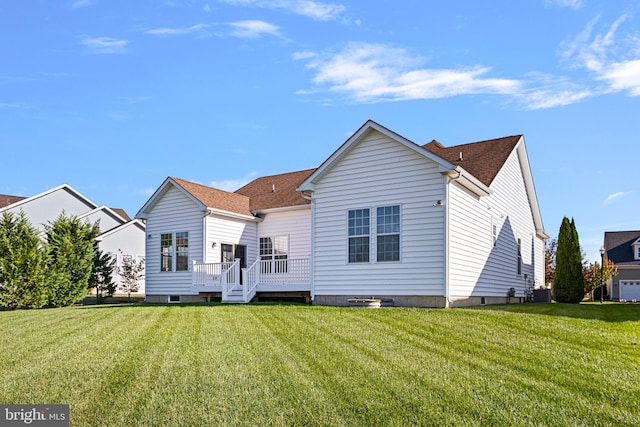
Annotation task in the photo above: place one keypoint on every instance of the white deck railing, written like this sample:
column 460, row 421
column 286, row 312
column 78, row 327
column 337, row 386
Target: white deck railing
column 293, row 271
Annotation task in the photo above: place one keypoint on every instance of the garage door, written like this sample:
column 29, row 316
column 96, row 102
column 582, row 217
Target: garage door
column 629, row 290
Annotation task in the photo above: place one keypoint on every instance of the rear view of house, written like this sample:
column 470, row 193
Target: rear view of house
column 382, row 217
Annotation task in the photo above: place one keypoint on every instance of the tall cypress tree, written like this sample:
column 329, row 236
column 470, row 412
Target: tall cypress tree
column 568, row 284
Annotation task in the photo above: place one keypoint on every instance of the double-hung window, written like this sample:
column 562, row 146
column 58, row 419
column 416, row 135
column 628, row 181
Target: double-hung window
column 385, row 230
column 174, row 251
column 276, row 250
column 358, row 230
column 388, row 233
column 519, row 266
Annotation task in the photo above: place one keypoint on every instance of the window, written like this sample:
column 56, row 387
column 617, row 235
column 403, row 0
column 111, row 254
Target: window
column 638, row 252
column 358, row 230
column 275, row 249
column 181, row 252
column 388, row 233
column 519, row 256
column 494, row 233
column 166, row 252
column 174, row 298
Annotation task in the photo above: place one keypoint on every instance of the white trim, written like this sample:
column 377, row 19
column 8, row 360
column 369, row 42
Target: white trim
column 37, row 196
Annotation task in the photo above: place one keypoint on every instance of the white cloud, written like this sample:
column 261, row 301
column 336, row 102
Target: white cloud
column 14, row 105
column 164, row 31
column 573, row 4
column 234, row 184
column 311, row 9
column 373, row 73
column 614, row 196
column 79, row 4
column 612, row 59
column 105, row 45
column 206, row 7
column 253, row 29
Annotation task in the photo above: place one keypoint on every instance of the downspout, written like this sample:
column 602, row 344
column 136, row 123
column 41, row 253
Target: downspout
column 447, row 285
column 312, row 268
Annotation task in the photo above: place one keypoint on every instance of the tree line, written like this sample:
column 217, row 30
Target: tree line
column 58, row 268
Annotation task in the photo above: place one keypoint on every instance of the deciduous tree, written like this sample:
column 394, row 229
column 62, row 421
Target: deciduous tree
column 131, row 272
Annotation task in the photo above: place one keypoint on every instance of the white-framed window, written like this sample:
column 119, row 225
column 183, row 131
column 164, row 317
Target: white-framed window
column 386, row 229
column 637, row 251
column 276, row 250
column 494, row 233
column 388, row 233
column 358, row 229
column 174, row 251
column 173, row 298
column 519, row 257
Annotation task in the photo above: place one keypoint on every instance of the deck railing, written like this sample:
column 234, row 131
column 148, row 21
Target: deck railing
column 209, row 274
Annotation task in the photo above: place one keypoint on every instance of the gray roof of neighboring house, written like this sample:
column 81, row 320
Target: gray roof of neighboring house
column 618, row 247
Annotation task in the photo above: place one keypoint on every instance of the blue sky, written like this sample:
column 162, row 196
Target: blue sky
column 111, row 97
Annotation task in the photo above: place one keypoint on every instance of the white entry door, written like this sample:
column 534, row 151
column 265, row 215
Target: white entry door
column 629, row 290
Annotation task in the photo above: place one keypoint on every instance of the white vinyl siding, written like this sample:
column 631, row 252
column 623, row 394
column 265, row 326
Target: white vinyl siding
column 173, row 213
column 378, row 171
column 226, row 230
column 477, row 266
column 295, row 224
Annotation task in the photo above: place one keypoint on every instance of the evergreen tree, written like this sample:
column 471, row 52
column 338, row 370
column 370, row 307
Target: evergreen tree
column 71, row 253
column 568, row 284
column 102, row 275
column 22, row 264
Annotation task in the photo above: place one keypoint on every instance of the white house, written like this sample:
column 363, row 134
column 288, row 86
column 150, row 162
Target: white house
column 382, row 217
column 119, row 235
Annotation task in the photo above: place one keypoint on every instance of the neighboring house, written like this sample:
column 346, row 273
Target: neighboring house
column 381, row 218
column 623, row 249
column 118, row 233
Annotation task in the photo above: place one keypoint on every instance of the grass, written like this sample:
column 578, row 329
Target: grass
column 533, row 364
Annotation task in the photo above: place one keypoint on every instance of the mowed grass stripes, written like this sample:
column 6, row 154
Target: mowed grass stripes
column 273, row 364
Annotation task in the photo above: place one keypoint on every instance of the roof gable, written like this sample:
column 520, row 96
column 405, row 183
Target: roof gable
column 65, row 187
column 482, row 159
column 369, row 126
column 205, row 197
column 276, row 191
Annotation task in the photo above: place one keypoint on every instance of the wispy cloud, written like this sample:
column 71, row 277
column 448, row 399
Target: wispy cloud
column 234, row 184
column 615, row 196
column 241, row 29
column 253, row 29
column 78, row 4
column 312, row 9
column 374, row 73
column 105, row 45
column 614, row 60
column 14, row 105
column 193, row 29
column 573, row 4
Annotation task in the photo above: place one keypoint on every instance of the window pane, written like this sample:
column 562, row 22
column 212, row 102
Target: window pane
column 389, row 248
column 182, row 251
column 166, row 251
column 388, row 218
column 359, row 249
column 358, row 222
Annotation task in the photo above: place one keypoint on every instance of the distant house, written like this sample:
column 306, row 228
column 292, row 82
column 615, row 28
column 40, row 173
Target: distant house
column 119, row 234
column 623, row 249
column 382, row 217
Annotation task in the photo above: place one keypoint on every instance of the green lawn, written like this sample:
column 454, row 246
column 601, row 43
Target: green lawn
column 200, row 365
